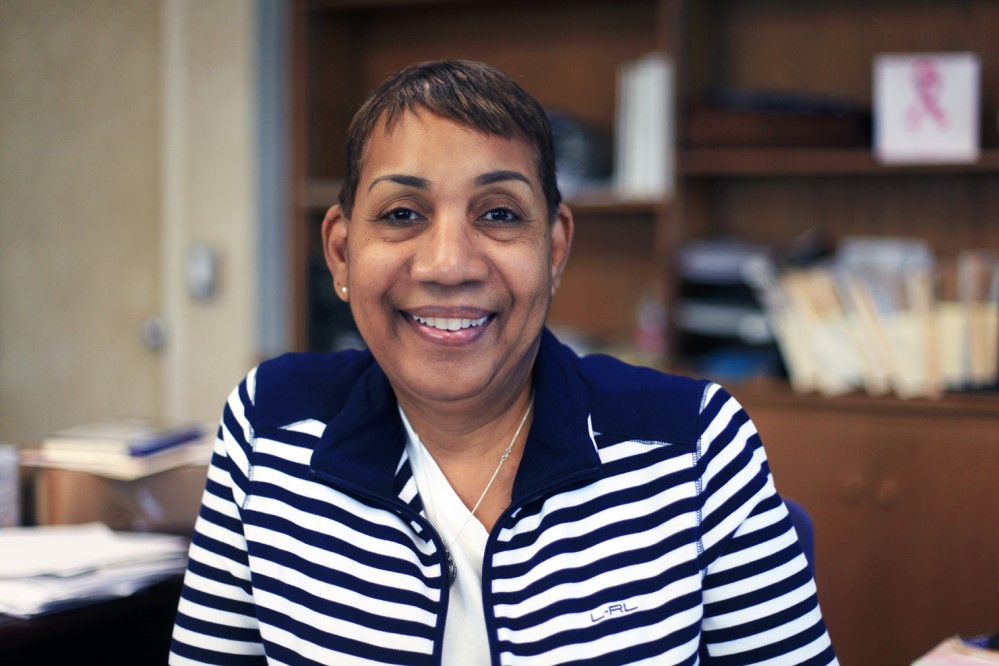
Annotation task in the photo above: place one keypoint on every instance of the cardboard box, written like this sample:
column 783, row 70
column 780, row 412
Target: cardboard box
column 163, row 502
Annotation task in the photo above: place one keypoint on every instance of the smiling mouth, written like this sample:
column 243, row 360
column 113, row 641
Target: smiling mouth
column 449, row 323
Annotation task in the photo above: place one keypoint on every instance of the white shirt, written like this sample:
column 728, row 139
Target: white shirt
column 465, row 640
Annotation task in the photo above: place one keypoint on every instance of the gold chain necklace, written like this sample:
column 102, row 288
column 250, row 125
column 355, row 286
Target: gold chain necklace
column 452, row 568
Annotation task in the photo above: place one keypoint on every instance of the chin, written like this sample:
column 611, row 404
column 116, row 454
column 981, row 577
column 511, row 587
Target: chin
column 445, row 389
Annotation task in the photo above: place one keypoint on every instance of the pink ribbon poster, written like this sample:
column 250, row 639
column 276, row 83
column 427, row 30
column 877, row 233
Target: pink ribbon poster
column 926, row 107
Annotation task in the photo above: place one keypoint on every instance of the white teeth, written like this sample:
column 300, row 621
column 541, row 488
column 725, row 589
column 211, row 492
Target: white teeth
column 449, row 324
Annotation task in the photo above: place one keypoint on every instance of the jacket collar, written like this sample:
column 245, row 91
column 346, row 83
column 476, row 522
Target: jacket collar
column 362, row 444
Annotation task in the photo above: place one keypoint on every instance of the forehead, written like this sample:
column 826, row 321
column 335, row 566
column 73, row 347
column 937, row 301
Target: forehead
column 424, row 141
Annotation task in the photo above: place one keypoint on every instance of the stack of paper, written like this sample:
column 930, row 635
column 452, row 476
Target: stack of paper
column 43, row 569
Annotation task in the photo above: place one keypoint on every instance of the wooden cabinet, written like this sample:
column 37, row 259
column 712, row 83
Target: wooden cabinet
column 905, row 499
column 903, row 494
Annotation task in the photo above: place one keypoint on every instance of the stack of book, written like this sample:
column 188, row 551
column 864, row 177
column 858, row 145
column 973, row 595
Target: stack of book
column 885, row 317
column 122, row 449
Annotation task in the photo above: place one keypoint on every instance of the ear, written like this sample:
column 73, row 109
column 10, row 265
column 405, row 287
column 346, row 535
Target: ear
column 335, row 249
column 562, row 229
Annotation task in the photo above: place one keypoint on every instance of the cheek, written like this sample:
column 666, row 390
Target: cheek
column 532, row 274
column 369, row 269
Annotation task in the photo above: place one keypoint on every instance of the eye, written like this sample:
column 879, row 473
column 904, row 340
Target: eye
column 501, row 216
column 401, row 216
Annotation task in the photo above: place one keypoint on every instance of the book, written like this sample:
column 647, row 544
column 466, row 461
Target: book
column 121, row 465
column 978, row 285
column 958, row 651
column 643, row 130
column 824, row 329
column 889, row 287
column 133, row 437
column 762, row 275
column 871, row 340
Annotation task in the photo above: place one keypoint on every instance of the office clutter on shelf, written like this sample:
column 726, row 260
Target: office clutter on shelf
column 960, row 651
column 582, row 154
column 721, row 330
column 751, row 118
column 43, row 569
column 132, row 475
column 884, row 316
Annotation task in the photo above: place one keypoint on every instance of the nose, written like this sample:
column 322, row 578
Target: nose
column 449, row 252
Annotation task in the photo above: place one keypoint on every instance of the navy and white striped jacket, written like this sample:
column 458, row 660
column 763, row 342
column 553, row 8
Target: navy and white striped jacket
column 644, row 528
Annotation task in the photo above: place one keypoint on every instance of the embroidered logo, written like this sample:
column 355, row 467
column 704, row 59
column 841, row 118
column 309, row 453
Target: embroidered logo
column 610, row 611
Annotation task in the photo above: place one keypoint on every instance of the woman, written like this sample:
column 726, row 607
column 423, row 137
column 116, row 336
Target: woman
column 468, row 491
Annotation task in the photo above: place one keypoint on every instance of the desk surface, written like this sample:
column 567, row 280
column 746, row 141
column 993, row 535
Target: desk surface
column 132, row 630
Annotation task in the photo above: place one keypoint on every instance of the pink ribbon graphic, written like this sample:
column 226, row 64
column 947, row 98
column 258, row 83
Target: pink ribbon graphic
column 928, row 83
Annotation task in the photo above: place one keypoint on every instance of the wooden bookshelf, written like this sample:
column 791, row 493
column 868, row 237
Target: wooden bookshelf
column 900, row 491
column 565, row 53
column 896, row 487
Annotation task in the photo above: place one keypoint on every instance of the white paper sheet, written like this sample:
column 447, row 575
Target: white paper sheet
column 44, row 568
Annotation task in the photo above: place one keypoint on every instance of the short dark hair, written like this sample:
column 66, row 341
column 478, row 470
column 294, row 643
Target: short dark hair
column 469, row 93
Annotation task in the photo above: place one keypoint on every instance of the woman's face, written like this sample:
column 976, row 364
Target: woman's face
column 450, row 259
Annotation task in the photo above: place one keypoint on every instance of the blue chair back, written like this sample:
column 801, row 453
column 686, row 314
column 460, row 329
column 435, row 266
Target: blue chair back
column 806, row 531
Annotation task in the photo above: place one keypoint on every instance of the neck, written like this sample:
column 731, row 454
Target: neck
column 470, row 458
column 459, row 431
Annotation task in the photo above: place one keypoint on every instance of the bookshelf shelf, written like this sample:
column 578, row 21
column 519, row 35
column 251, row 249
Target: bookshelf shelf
column 766, row 162
column 777, row 393
column 600, row 207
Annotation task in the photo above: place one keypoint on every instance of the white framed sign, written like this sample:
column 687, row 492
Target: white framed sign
column 927, row 107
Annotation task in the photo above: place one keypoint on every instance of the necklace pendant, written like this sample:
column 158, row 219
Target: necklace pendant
column 452, row 569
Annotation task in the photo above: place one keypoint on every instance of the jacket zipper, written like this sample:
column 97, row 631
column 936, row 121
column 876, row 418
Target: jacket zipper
column 491, row 631
column 405, row 511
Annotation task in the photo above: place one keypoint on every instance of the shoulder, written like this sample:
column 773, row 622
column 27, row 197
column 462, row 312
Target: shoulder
column 298, row 386
column 642, row 402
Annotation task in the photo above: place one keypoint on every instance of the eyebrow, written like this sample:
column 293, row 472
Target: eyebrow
column 501, row 176
column 402, row 179
column 480, row 181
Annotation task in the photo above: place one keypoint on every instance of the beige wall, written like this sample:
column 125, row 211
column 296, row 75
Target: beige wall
column 125, row 137
column 208, row 197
